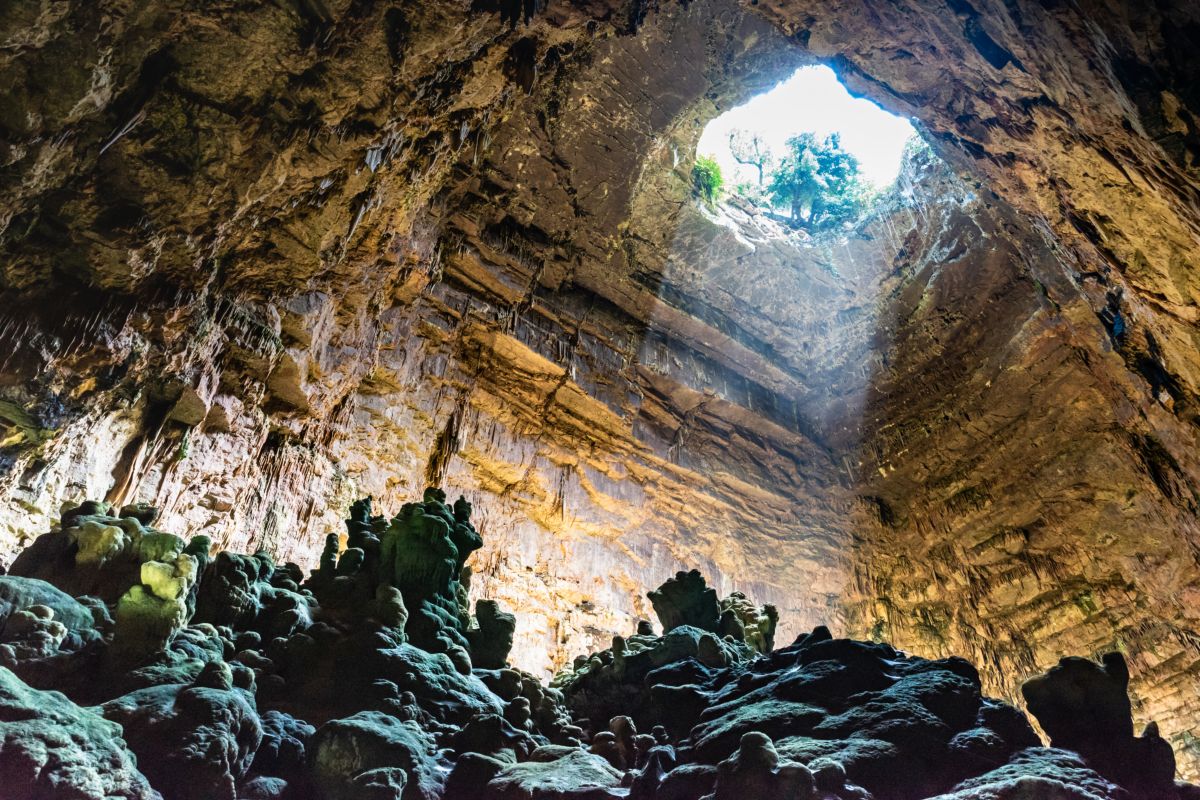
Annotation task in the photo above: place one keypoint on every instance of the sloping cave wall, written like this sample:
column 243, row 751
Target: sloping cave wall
column 259, row 260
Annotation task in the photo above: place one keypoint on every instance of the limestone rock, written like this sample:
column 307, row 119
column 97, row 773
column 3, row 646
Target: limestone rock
column 47, row 638
column 841, row 711
column 686, row 600
column 492, row 640
column 677, row 382
column 51, row 748
column 557, row 772
column 98, row 554
column 755, row 771
column 626, row 678
column 229, row 592
column 348, row 754
column 21, row 594
column 191, row 741
column 1038, row 773
column 1084, row 707
column 755, row 625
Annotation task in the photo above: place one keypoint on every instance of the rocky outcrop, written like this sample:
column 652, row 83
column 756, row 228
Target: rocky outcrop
column 1084, row 706
column 192, row 741
column 358, row 701
column 261, row 687
column 396, row 246
column 49, row 747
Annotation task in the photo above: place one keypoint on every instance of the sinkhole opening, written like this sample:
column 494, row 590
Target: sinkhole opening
column 807, row 152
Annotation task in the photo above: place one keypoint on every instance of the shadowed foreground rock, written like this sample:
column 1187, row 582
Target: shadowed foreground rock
column 239, row 679
column 50, row 747
column 1084, row 706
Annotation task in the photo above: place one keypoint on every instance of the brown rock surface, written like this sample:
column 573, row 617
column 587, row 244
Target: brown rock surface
column 259, row 260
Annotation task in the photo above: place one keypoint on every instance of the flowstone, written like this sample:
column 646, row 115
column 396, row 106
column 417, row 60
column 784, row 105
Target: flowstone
column 700, row 635
column 687, row 600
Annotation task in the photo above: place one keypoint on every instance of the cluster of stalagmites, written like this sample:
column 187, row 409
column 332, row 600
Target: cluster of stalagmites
column 135, row 665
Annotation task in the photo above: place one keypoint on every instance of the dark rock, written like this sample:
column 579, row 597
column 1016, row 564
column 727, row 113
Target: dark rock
column 192, row 741
column 755, row 770
column 1084, row 706
column 854, row 713
column 686, row 600
column 52, row 748
column 283, row 750
column 346, row 755
column 686, row 782
column 471, row 775
column 422, row 706
column 493, row 735
column 230, row 589
column 264, row 788
column 493, row 639
column 142, row 512
column 746, row 622
column 557, row 773
column 1039, row 773
column 651, row 678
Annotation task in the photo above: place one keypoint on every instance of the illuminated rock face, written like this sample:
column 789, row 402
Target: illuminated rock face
column 258, row 262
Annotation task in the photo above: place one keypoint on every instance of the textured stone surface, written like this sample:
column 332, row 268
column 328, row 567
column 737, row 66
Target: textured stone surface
column 257, row 261
column 346, row 707
column 49, row 747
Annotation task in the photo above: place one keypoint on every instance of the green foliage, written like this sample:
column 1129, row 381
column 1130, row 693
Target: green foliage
column 818, row 182
column 707, row 179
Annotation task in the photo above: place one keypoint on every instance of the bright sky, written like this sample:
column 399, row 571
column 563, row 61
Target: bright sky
column 812, row 100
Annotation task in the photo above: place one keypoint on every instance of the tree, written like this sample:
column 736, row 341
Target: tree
column 749, row 148
column 818, row 182
column 707, row 179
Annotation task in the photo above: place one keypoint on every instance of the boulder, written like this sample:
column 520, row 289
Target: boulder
column 1039, row 774
column 194, row 742
column 51, row 748
column 346, row 756
column 557, row 773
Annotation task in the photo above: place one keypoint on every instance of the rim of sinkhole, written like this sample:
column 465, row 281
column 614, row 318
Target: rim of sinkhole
column 807, row 150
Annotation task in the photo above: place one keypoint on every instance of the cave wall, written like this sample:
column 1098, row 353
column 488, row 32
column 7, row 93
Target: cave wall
column 259, row 260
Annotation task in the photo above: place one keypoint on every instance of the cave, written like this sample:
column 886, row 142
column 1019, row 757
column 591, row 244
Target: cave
column 898, row 509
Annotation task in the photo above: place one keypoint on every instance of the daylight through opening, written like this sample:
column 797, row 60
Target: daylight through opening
column 807, row 149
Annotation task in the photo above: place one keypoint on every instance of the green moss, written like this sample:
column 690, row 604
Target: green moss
column 1086, row 602
column 26, row 428
column 185, row 445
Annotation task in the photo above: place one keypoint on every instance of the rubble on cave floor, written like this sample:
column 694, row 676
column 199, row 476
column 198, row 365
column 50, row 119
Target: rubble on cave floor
column 136, row 665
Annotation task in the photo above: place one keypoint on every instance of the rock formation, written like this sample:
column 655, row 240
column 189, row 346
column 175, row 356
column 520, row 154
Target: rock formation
column 274, row 687
column 258, row 260
column 1084, row 706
